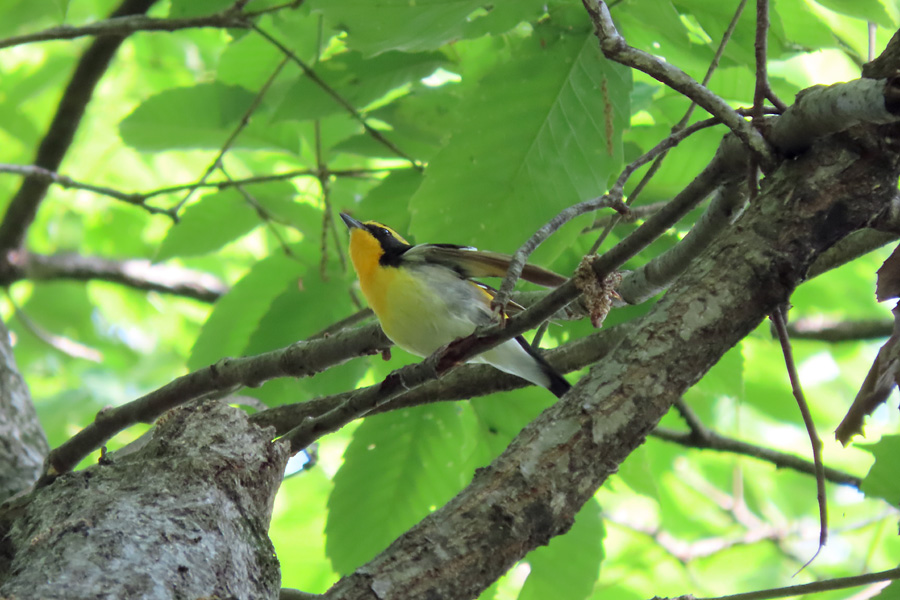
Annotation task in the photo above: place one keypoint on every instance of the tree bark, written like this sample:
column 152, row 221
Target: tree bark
column 23, row 444
column 185, row 516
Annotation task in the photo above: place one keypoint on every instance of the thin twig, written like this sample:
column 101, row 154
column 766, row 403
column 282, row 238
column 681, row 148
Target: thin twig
column 140, row 198
column 124, row 26
column 779, row 319
column 357, row 317
column 657, row 163
column 242, row 124
column 264, row 215
column 60, row 343
column 826, row 330
column 710, row 440
column 698, row 429
column 658, row 153
column 351, row 110
column 48, row 176
column 616, row 48
column 838, row 583
column 519, row 258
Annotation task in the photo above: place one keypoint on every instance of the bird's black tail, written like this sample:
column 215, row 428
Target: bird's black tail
column 557, row 383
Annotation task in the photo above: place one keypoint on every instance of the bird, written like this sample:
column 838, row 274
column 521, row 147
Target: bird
column 425, row 298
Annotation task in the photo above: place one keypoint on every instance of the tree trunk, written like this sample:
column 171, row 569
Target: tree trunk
column 185, row 516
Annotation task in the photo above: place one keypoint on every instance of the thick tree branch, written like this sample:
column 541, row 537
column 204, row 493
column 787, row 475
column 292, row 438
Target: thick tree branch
column 656, row 275
column 24, row 442
column 91, row 67
column 185, row 516
column 533, row 490
column 140, row 274
column 302, row 359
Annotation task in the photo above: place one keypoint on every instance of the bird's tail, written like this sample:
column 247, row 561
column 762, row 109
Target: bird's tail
column 556, row 383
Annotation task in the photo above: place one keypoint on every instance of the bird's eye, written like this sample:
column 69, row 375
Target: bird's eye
column 385, row 232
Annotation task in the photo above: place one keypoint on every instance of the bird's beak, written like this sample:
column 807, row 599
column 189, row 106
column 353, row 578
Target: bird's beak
column 351, row 223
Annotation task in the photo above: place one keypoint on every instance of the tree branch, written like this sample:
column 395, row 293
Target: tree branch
column 140, row 274
column 140, row 198
column 47, row 177
column 656, row 275
column 123, row 26
column 839, row 583
column 715, row 441
column 302, row 359
column 189, row 511
column 24, row 441
column 532, row 491
column 93, row 64
column 825, row 330
column 615, row 48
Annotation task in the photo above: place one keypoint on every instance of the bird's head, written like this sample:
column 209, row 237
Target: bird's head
column 373, row 243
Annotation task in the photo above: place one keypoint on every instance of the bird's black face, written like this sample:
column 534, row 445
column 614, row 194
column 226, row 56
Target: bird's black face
column 392, row 244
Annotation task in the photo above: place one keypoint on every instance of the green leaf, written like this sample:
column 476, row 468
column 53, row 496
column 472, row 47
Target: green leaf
column 568, row 566
column 399, row 467
column 534, row 142
column 883, row 480
column 867, row 10
column 891, row 592
column 209, row 224
column 725, row 378
column 248, row 62
column 398, row 24
column 803, row 26
column 237, row 314
column 357, row 80
column 202, row 116
column 388, row 202
column 419, row 124
column 300, row 311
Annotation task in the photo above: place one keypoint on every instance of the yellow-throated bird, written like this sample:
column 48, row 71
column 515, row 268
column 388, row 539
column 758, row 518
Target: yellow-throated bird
column 425, row 299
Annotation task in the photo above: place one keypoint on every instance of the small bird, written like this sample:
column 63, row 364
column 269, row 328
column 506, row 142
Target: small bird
column 424, row 297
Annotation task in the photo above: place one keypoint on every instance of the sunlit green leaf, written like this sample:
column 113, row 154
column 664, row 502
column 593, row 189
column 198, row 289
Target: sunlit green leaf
column 399, row 467
column 535, row 139
column 883, row 480
column 237, row 314
column 568, row 566
column 357, row 80
column 198, row 117
column 209, row 224
column 398, row 24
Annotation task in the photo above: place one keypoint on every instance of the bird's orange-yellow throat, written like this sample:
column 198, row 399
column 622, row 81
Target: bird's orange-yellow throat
column 425, row 298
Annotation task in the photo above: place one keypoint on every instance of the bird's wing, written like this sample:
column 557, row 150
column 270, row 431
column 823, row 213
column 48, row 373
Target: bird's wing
column 512, row 307
column 471, row 262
